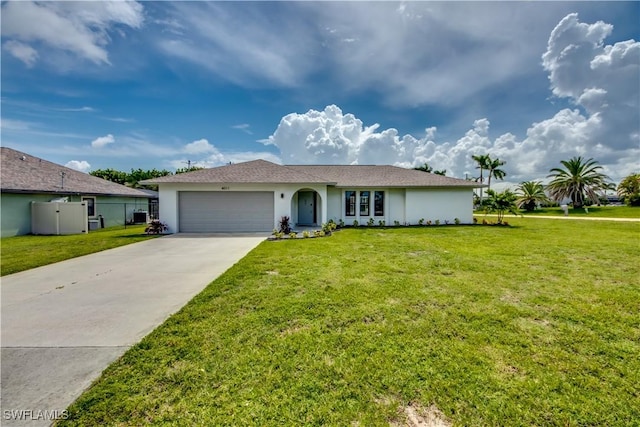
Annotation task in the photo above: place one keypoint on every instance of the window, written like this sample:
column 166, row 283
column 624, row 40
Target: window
column 91, row 205
column 364, row 203
column 350, row 203
column 378, row 203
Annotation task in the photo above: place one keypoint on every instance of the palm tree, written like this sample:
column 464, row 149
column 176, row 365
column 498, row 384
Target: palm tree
column 530, row 194
column 501, row 203
column 493, row 169
column 579, row 177
column 629, row 189
column 483, row 163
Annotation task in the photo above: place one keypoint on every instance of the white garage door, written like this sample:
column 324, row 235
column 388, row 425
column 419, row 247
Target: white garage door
column 225, row 211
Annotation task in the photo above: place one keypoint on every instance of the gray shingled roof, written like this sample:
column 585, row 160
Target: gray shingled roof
column 255, row 171
column 262, row 171
column 23, row 173
column 381, row 176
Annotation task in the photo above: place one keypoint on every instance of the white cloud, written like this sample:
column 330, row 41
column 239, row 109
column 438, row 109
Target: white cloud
column 81, row 28
column 79, row 165
column 84, row 109
column 11, row 124
column 270, row 48
column 244, row 127
column 200, row 146
column 102, row 141
column 604, row 82
column 22, row 51
column 414, row 54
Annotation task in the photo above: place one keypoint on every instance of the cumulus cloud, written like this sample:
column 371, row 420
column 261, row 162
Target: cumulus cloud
column 601, row 80
column 22, row 51
column 200, row 146
column 80, row 28
column 79, row 165
column 102, row 141
column 206, row 155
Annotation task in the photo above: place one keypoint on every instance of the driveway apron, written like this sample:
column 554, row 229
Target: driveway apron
column 64, row 323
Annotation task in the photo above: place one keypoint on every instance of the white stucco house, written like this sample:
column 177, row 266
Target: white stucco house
column 253, row 196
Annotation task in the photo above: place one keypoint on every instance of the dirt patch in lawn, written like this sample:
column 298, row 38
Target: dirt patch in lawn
column 417, row 416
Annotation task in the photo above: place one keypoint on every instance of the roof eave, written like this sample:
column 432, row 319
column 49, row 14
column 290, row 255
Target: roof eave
column 73, row 193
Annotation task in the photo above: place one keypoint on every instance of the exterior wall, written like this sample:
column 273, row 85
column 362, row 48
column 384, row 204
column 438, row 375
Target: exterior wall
column 439, row 204
column 15, row 211
column 394, row 207
column 335, row 209
column 285, row 202
column 397, row 207
column 402, row 205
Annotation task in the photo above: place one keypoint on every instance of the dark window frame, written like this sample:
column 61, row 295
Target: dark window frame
column 378, row 203
column 365, row 203
column 91, row 205
column 350, row 203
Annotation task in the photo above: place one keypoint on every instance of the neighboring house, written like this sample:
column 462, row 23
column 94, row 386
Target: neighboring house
column 253, row 196
column 25, row 179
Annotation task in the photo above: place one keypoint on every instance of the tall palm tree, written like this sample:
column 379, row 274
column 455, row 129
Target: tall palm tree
column 530, row 193
column 493, row 169
column 579, row 177
column 483, row 164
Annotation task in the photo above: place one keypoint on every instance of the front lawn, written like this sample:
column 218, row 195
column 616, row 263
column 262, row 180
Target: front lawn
column 21, row 253
column 535, row 324
column 594, row 211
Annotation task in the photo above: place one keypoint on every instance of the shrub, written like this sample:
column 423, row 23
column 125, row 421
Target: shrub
column 355, row 223
column 475, row 220
column 381, row 223
column 328, row 227
column 429, row 222
column 370, row 222
column 306, row 234
column 284, row 225
column 156, row 227
column 319, row 233
column 421, row 221
column 446, row 222
column 293, row 235
column 341, row 223
column 437, row 222
column 396, row 223
column 456, row 221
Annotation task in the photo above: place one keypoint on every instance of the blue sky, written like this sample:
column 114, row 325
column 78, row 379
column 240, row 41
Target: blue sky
column 157, row 84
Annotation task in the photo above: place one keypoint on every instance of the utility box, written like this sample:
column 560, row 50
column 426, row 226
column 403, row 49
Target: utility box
column 140, row 217
column 59, row 218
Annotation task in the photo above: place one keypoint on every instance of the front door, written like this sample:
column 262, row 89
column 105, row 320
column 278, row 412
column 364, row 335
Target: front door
column 306, row 208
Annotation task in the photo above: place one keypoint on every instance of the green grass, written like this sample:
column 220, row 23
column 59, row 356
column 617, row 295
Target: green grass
column 594, row 211
column 21, row 253
column 535, row 324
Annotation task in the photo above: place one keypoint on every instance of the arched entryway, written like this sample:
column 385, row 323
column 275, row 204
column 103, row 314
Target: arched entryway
column 306, row 205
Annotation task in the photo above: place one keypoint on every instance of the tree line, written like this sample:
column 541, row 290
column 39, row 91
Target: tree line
column 133, row 178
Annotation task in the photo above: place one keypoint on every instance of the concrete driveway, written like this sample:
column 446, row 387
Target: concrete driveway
column 63, row 324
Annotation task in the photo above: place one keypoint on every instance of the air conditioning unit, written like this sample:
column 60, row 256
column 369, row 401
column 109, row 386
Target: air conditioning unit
column 140, row 217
